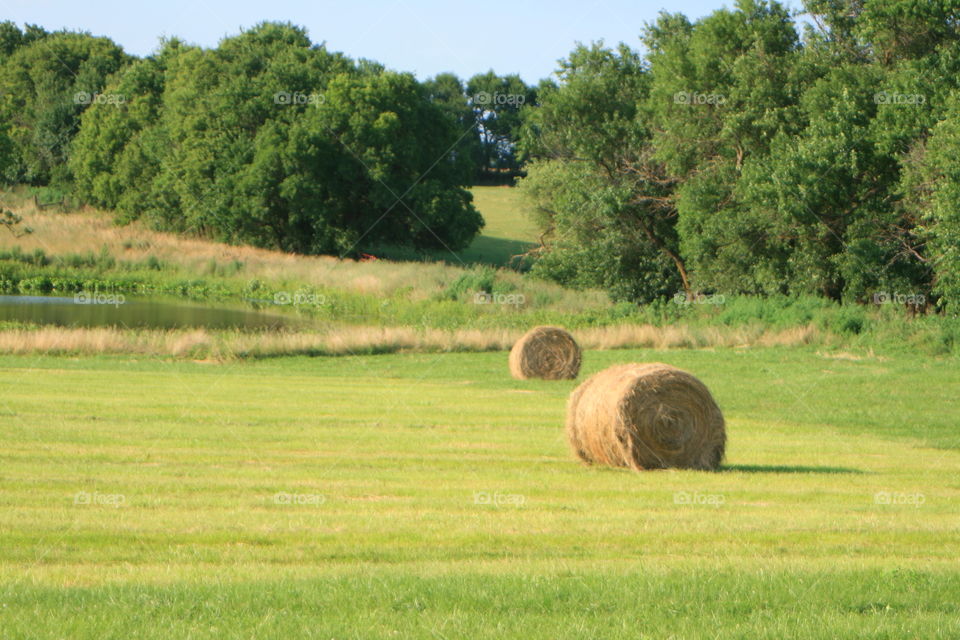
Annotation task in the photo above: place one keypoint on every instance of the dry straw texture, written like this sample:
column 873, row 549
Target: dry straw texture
column 61, row 234
column 645, row 416
column 228, row 345
column 549, row 353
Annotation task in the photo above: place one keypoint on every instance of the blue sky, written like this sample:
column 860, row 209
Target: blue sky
column 422, row 36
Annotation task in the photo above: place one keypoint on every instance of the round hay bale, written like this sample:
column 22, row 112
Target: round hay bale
column 645, row 416
column 549, row 353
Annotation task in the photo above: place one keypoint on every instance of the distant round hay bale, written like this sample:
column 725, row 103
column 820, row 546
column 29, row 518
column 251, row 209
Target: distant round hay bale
column 549, row 353
column 645, row 416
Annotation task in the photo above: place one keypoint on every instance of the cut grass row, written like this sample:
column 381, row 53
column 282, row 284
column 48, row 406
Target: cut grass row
column 571, row 603
column 225, row 345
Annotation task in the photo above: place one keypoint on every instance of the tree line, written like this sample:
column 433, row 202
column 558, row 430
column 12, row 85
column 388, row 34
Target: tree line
column 267, row 139
column 747, row 152
column 750, row 152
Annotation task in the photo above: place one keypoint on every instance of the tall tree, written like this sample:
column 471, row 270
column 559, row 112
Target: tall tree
column 47, row 84
column 603, row 201
column 116, row 154
column 273, row 141
column 449, row 92
column 497, row 101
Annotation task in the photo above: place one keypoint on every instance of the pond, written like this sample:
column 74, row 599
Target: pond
column 117, row 310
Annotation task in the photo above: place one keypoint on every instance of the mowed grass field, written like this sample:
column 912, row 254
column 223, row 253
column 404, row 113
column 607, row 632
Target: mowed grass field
column 431, row 496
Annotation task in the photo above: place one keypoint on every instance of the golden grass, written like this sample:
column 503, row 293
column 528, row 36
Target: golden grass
column 91, row 230
column 228, row 345
column 88, row 229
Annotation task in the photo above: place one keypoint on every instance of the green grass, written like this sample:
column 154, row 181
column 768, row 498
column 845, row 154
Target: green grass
column 508, row 233
column 505, row 212
column 85, row 252
column 396, row 450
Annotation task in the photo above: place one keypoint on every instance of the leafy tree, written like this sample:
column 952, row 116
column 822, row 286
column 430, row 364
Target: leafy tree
column 721, row 90
column 6, row 150
column 604, row 203
column 12, row 38
column 932, row 181
column 219, row 108
column 497, row 102
column 116, row 154
column 771, row 164
column 399, row 176
column 449, row 92
column 46, row 85
column 272, row 141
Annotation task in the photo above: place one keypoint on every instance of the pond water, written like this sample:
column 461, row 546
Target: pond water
column 116, row 310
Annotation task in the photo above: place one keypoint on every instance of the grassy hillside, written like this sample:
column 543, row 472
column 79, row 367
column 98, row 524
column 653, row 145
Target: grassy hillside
column 385, row 306
column 508, row 233
column 426, row 496
column 85, row 250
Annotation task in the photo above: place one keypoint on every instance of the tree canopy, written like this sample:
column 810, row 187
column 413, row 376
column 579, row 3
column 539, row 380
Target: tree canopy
column 274, row 141
column 740, row 154
column 744, row 152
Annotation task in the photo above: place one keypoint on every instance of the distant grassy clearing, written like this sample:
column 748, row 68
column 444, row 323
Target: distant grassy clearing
column 505, row 212
column 836, row 515
column 509, row 231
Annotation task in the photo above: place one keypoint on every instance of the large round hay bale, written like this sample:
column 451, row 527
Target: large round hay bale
column 549, row 353
column 645, row 416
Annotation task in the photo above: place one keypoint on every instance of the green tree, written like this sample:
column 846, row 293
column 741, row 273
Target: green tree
column 221, row 112
column 12, row 38
column 273, row 141
column 400, row 176
column 603, row 203
column 497, row 102
column 116, row 155
column 932, row 184
column 754, row 161
column 721, row 90
column 449, row 92
column 46, row 85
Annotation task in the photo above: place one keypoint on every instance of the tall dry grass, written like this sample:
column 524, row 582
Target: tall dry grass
column 59, row 234
column 230, row 345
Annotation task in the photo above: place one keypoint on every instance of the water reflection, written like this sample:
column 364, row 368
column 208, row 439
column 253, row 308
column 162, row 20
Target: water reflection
column 116, row 310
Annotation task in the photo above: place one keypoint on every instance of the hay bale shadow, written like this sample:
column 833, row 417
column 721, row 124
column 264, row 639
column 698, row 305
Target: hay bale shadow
column 767, row 468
